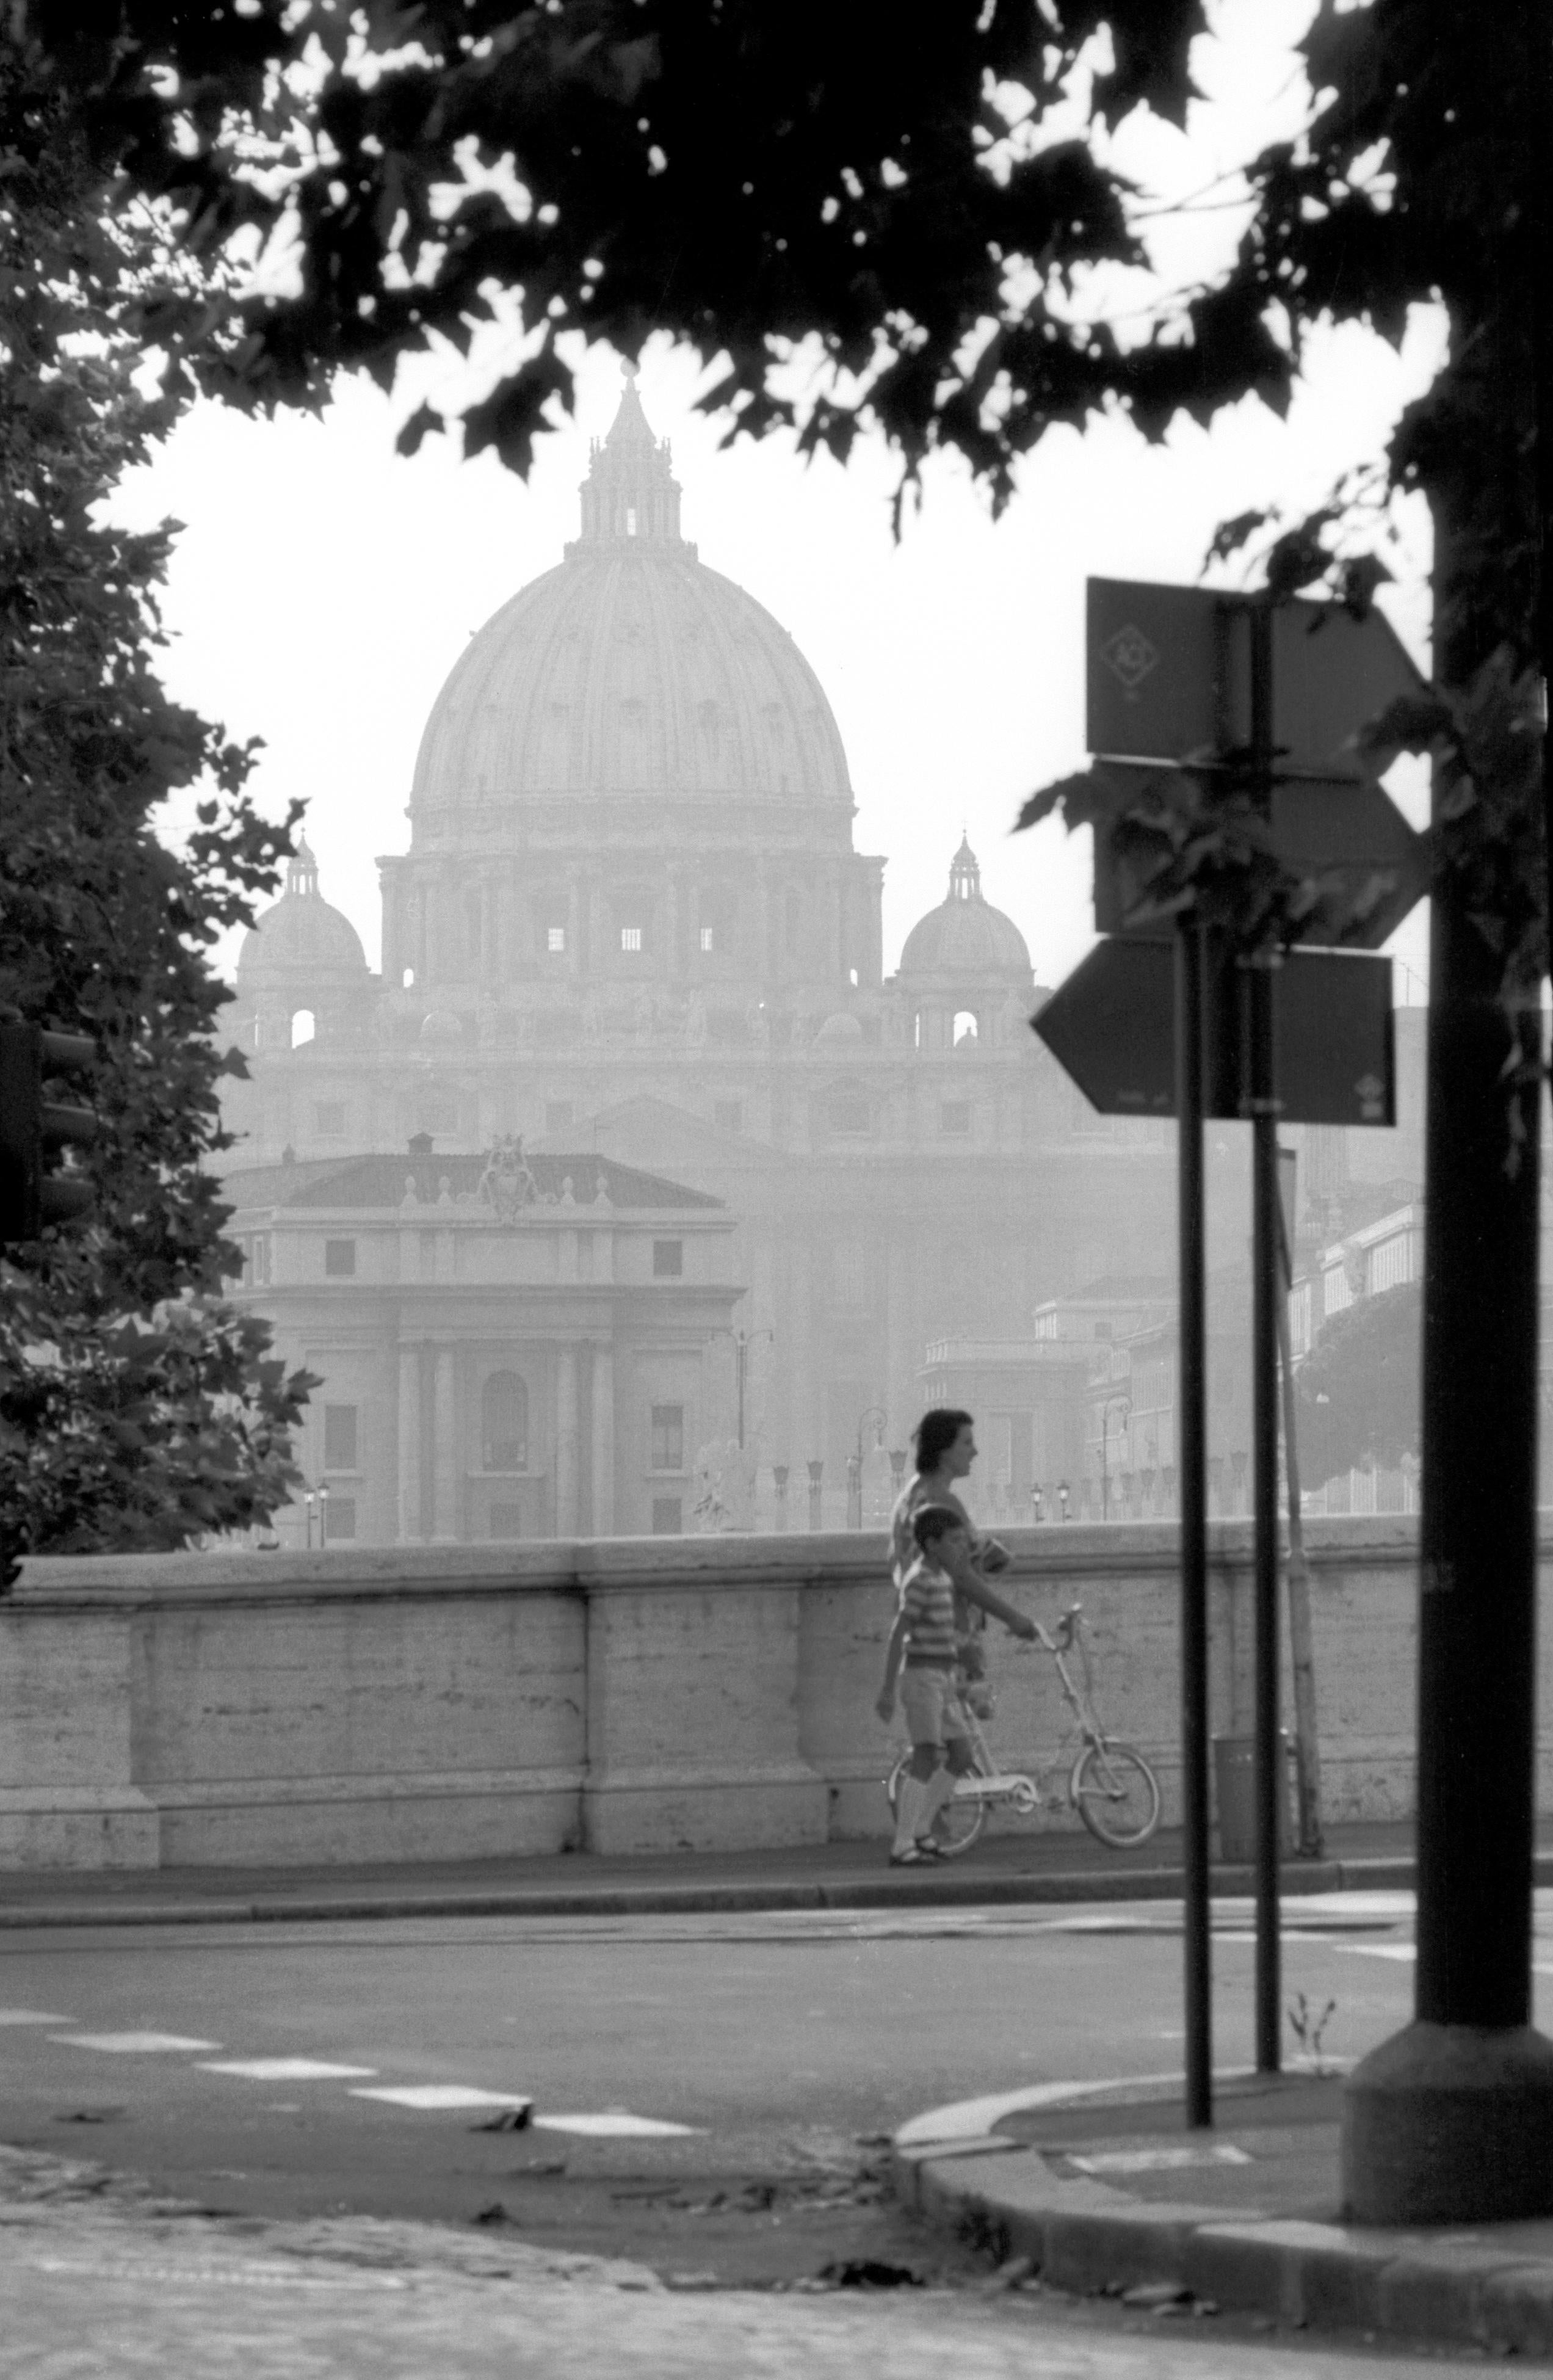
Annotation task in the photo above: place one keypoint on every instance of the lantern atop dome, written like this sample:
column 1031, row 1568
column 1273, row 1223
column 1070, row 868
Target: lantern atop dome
column 630, row 492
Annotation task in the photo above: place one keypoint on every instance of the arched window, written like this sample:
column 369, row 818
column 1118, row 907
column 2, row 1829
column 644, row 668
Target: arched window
column 966, row 1030
column 504, row 1423
column 304, row 1025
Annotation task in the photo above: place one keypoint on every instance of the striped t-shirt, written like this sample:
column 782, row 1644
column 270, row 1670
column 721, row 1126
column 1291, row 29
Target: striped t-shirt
column 928, row 1601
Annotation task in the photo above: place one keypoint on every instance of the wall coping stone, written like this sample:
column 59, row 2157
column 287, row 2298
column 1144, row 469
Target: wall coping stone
column 726, row 1563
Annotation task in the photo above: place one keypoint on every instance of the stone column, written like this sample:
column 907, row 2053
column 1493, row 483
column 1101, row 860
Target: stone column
column 412, row 1519
column 567, row 1518
column 446, row 1445
column 603, row 1441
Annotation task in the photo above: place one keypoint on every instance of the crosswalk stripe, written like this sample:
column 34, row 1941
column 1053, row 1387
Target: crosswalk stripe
column 443, row 2094
column 283, row 2070
column 131, row 2044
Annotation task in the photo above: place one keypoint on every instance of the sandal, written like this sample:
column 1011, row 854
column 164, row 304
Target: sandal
column 913, row 1856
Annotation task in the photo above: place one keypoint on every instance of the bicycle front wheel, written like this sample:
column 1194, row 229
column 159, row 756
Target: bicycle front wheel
column 958, row 1823
column 1116, row 1794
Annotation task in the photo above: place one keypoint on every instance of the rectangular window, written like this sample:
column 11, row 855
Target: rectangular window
column 558, row 1115
column 339, row 1258
column 341, row 1521
column 705, row 937
column 555, row 938
column 339, row 1437
column 668, row 1259
column 507, row 1521
column 668, row 1438
column 666, row 1517
column 261, row 1257
column 630, row 937
column 954, row 1115
column 329, row 1116
column 728, row 1115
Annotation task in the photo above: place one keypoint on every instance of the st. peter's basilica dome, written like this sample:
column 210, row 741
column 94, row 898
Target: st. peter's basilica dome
column 630, row 669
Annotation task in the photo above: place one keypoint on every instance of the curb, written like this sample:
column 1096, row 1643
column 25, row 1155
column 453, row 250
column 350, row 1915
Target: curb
column 935, row 1891
column 1085, row 2237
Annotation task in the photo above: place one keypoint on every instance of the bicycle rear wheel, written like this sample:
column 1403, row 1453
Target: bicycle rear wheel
column 958, row 1823
column 1116, row 1794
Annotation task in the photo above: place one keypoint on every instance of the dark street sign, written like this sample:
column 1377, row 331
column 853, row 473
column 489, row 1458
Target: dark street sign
column 1371, row 867
column 1112, row 1026
column 1169, row 674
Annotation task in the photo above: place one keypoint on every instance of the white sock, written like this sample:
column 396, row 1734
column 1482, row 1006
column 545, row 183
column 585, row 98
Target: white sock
column 908, row 1811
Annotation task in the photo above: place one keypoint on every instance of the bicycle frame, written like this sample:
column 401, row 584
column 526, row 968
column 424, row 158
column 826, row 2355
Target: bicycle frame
column 993, row 1785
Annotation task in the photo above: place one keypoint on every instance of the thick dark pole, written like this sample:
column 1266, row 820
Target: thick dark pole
column 1191, row 1450
column 1451, row 2119
column 1263, row 1107
column 1476, row 1717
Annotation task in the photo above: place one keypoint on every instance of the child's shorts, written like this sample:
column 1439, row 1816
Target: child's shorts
column 932, row 1702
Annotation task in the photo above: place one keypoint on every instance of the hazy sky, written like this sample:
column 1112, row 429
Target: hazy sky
column 323, row 587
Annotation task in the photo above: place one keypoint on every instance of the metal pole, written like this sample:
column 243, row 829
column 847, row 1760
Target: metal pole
column 1263, row 1108
column 1264, row 1338
column 1191, row 1450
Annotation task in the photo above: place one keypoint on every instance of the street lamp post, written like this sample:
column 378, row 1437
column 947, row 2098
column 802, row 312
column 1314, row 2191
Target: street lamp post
column 1037, row 1508
column 311, row 1500
column 323, row 1513
column 876, row 1414
column 1063, row 1495
column 1105, row 1411
column 817, row 1475
column 743, row 1341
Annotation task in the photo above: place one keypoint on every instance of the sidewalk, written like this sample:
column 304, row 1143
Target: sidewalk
column 1105, row 2191
column 1026, row 1866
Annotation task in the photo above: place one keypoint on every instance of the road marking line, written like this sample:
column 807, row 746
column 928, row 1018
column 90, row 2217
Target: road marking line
column 1403, row 1951
column 283, row 2070
column 616, row 2127
column 443, row 2094
column 32, row 2016
column 1157, row 2160
column 130, row 2044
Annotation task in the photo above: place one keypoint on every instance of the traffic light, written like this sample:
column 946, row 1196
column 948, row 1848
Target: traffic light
column 33, row 1191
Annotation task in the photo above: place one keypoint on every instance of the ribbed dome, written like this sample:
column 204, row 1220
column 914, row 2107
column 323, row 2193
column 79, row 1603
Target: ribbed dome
column 964, row 939
column 632, row 669
column 300, row 936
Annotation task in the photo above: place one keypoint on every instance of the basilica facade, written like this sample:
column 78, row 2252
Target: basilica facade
column 631, row 924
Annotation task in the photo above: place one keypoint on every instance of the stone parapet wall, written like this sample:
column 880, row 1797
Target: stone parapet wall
column 625, row 1695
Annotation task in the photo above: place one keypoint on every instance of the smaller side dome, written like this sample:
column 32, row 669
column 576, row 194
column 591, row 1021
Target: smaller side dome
column 300, row 939
column 964, row 939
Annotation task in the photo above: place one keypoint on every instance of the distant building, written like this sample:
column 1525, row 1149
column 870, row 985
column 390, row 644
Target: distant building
column 631, row 925
column 510, row 1349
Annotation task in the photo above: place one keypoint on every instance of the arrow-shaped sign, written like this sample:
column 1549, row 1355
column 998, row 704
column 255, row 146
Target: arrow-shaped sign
column 1169, row 676
column 1111, row 1024
column 1367, row 865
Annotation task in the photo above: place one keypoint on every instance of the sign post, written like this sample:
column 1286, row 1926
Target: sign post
column 1192, row 1466
column 1263, row 972
column 1268, row 697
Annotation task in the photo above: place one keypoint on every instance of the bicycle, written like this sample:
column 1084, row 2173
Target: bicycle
column 1110, row 1785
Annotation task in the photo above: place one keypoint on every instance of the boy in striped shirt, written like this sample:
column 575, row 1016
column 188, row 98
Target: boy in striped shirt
column 923, row 1645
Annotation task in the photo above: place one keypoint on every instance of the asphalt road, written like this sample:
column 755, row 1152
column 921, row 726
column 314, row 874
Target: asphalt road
column 775, row 2052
